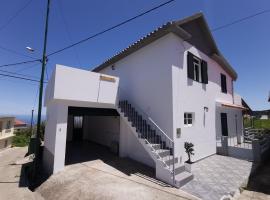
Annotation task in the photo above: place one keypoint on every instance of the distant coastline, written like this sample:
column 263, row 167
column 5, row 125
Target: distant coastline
column 27, row 118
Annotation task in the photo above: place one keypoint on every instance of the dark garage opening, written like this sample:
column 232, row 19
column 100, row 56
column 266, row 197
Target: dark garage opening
column 97, row 138
column 92, row 133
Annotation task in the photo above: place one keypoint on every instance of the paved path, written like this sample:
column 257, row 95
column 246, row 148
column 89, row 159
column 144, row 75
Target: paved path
column 106, row 176
column 216, row 176
column 12, row 185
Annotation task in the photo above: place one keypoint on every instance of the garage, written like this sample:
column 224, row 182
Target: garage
column 92, row 133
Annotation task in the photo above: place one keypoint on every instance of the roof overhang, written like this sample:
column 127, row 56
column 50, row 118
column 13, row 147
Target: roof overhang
column 187, row 33
column 229, row 105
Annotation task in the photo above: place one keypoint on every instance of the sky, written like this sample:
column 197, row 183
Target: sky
column 246, row 45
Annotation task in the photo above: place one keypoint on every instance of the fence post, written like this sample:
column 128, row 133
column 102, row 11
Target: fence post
column 224, row 144
column 256, row 150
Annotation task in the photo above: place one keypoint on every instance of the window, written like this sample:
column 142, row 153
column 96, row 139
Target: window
column 8, row 126
column 1, row 126
column 197, row 69
column 188, row 119
column 223, row 83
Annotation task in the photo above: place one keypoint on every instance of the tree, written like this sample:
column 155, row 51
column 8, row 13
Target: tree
column 189, row 150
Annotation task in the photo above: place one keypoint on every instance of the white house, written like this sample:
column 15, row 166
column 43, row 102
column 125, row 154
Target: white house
column 170, row 87
column 6, row 131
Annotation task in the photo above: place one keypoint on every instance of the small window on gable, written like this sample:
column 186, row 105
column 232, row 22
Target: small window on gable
column 188, row 119
column 223, row 83
column 197, row 68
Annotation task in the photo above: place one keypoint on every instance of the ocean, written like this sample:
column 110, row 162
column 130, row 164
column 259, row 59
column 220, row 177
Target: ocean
column 27, row 118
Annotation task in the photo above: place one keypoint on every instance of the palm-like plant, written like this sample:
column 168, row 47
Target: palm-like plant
column 189, row 150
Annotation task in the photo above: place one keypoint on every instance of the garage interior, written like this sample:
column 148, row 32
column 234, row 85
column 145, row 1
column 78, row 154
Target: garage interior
column 92, row 133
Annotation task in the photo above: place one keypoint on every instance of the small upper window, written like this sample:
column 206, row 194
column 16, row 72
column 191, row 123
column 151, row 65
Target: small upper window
column 223, row 83
column 188, row 119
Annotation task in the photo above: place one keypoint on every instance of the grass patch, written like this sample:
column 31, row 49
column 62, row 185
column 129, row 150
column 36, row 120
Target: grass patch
column 258, row 123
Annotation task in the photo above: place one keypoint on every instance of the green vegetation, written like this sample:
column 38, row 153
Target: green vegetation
column 258, row 124
column 21, row 138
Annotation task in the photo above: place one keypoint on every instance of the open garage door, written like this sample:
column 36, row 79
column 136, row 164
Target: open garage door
column 91, row 132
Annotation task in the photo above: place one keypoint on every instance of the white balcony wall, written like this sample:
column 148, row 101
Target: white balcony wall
column 76, row 85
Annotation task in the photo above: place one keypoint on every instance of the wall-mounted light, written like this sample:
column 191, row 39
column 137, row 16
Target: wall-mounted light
column 205, row 109
column 113, row 68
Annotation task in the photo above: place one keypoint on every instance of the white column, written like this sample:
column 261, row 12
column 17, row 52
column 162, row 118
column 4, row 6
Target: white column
column 61, row 112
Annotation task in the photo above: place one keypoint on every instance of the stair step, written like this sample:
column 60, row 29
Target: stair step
column 169, row 161
column 179, row 168
column 183, row 178
column 156, row 146
column 163, row 152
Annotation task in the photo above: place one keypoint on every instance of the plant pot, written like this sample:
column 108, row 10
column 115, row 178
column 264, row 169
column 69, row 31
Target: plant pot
column 188, row 167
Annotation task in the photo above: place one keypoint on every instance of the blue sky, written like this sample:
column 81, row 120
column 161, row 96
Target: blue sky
column 245, row 45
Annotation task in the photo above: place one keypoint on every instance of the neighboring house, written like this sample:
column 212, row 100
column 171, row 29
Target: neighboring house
column 262, row 114
column 19, row 125
column 6, row 131
column 170, row 87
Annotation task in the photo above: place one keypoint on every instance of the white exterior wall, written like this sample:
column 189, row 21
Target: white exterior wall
column 145, row 78
column 101, row 129
column 129, row 146
column 155, row 78
column 192, row 96
column 55, row 137
column 71, row 87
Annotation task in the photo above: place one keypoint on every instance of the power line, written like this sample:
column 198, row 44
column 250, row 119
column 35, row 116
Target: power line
column 15, row 52
column 18, row 74
column 240, row 20
column 22, row 78
column 111, row 28
column 19, row 63
column 59, row 6
column 15, row 15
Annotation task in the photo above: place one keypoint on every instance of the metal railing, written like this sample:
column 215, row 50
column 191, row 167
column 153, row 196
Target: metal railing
column 161, row 144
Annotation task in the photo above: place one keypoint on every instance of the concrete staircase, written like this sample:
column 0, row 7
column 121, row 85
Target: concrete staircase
column 159, row 146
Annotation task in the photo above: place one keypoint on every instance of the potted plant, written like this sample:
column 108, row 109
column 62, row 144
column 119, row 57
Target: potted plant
column 190, row 151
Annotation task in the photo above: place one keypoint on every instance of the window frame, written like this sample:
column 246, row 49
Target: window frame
column 223, row 85
column 187, row 117
column 197, row 63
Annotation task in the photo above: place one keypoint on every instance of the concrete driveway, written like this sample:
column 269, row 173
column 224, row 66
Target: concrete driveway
column 13, row 185
column 106, row 176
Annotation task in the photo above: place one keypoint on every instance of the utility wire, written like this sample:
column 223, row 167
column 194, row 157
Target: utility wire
column 15, row 15
column 15, row 52
column 240, row 20
column 19, row 63
column 69, row 37
column 9, row 72
column 111, row 28
column 22, row 78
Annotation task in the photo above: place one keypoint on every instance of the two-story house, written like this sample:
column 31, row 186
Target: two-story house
column 6, row 131
column 170, row 87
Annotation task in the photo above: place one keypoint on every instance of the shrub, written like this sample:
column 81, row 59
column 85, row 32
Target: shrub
column 189, row 150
